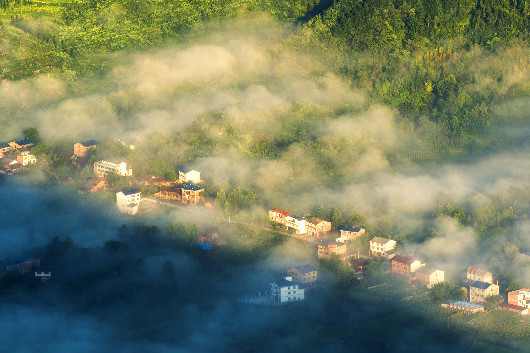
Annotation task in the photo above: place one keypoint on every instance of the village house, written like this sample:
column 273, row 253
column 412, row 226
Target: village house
column 191, row 194
column 429, row 276
column 382, row 247
column 22, row 264
column 25, row 157
column 349, row 233
column 81, row 148
column 316, row 226
column 329, row 248
column 278, row 215
column 4, row 148
column 286, row 290
column 296, row 223
column 463, row 306
column 10, row 166
column 475, row 274
column 405, row 265
column 305, row 274
column 94, row 185
column 479, row 291
column 188, row 175
column 128, row 201
column 519, row 301
column 168, row 193
column 103, row 168
column 24, row 143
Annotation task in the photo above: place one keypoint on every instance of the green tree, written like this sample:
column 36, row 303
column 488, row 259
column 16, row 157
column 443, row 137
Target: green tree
column 32, row 134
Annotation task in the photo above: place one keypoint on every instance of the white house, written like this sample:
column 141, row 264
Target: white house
column 188, row 175
column 128, row 201
column 286, row 290
column 382, row 246
column 297, row 223
column 350, row 233
column 103, row 168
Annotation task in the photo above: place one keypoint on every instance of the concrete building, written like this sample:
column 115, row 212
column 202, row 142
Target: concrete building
column 475, row 274
column 188, row 175
column 128, row 201
column 81, row 148
column 305, row 274
column 521, row 310
column 286, row 291
column 24, row 157
column 463, row 306
column 382, row 247
column 429, row 276
column 103, row 168
column 520, row 297
column 329, row 248
column 316, row 226
column 191, row 194
column 479, row 291
column 296, row 223
column 405, row 265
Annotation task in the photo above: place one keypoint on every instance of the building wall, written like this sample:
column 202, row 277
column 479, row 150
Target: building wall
column 103, row 168
column 400, row 268
column 475, row 274
column 380, row 249
column 305, row 278
column 477, row 295
column 190, row 177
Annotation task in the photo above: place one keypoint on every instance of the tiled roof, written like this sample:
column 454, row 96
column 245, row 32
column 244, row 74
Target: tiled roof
column 480, row 285
column 192, row 187
column 351, row 229
column 403, row 259
column 90, row 143
column 380, row 240
column 4, row 144
column 24, row 142
column 128, row 192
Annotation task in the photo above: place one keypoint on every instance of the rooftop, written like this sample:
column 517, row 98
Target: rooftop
column 128, row 192
column 285, row 283
column 403, row 259
column 464, row 304
column 315, row 221
column 186, row 169
column 4, row 145
column 17, row 260
column 90, row 143
column 480, row 285
column 352, row 229
column 380, row 240
column 332, row 242
column 192, row 187
column 305, row 268
column 24, row 142
column 205, row 246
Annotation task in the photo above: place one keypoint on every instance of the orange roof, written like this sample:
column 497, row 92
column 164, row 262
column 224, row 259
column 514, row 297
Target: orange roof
column 403, row 259
column 281, row 211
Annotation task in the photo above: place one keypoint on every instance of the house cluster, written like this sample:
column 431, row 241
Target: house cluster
column 184, row 189
column 20, row 158
column 300, row 225
column 292, row 287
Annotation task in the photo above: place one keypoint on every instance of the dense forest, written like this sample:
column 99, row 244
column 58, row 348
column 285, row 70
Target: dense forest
column 443, row 65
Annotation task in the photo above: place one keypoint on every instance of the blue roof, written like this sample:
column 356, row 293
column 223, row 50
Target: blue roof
column 185, row 169
column 128, row 192
column 24, row 142
column 350, row 229
column 192, row 187
column 90, row 143
column 464, row 304
column 205, row 246
column 4, row 144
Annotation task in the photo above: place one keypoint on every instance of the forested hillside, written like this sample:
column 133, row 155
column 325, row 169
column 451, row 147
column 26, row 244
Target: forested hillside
column 444, row 65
